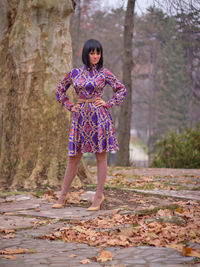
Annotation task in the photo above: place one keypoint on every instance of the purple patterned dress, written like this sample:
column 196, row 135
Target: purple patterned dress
column 92, row 129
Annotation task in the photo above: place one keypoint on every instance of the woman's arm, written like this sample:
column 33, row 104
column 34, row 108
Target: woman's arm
column 61, row 92
column 118, row 88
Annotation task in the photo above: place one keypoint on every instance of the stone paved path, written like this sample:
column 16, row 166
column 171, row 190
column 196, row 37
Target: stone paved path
column 20, row 212
column 184, row 194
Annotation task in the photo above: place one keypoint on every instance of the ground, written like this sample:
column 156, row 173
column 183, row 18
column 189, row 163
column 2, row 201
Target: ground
column 150, row 217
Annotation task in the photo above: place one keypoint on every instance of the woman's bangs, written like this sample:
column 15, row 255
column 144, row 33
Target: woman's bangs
column 93, row 46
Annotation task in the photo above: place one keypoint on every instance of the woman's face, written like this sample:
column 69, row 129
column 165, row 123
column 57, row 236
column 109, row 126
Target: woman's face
column 94, row 57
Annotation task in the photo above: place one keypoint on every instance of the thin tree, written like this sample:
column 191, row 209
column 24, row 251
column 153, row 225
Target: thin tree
column 124, row 126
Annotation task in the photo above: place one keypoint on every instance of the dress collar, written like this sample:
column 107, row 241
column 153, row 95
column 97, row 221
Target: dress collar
column 93, row 67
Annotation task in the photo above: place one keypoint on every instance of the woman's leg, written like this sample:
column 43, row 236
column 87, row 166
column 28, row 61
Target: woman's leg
column 70, row 173
column 101, row 177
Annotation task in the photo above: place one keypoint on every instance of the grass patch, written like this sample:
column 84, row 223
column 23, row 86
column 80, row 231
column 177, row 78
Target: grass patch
column 23, row 228
column 196, row 188
column 144, row 187
column 39, row 193
column 4, row 194
column 155, row 210
column 183, row 187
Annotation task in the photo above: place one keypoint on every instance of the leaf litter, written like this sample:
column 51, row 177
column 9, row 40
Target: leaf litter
column 127, row 230
column 10, row 253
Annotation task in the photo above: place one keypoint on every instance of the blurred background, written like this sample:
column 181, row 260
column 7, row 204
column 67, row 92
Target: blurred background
column 166, row 64
column 152, row 46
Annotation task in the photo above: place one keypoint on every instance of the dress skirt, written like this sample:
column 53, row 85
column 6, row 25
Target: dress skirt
column 92, row 130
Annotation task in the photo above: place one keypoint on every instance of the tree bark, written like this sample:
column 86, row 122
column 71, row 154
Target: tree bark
column 124, row 126
column 36, row 55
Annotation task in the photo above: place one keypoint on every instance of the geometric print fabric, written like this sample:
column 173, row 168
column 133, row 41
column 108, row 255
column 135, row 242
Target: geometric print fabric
column 92, row 131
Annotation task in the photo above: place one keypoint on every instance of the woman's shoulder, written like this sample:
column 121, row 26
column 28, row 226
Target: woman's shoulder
column 76, row 71
column 106, row 71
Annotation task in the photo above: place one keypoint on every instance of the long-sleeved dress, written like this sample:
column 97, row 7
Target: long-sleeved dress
column 92, row 128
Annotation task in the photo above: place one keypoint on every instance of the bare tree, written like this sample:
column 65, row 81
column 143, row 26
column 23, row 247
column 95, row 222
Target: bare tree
column 178, row 6
column 126, row 107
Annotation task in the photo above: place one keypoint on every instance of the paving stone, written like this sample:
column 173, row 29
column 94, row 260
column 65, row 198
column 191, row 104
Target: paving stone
column 87, row 196
column 163, row 172
column 19, row 198
column 52, row 253
column 21, row 205
column 167, row 219
column 67, row 213
column 2, row 200
column 184, row 194
column 13, row 222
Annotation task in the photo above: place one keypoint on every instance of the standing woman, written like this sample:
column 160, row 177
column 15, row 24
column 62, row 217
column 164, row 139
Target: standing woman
column 92, row 128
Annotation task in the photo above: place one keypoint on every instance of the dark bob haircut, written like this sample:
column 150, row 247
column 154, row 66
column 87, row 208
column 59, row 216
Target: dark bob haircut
column 91, row 45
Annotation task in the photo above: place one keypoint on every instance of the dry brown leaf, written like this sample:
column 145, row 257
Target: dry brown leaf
column 127, row 232
column 6, row 231
column 117, row 216
column 50, row 192
column 105, row 255
column 155, row 242
column 10, row 251
column 72, row 256
column 64, row 237
column 165, row 212
column 9, row 236
column 37, row 209
column 154, row 225
column 190, row 252
column 74, row 197
column 10, row 257
column 186, row 251
column 179, row 210
column 85, row 261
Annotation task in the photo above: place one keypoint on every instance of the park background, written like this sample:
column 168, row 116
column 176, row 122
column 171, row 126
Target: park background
column 41, row 41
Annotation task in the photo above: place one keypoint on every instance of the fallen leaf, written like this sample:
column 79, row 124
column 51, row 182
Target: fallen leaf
column 162, row 213
column 186, row 251
column 190, row 252
column 105, row 256
column 72, row 256
column 11, row 257
column 179, row 210
column 74, row 197
column 155, row 242
column 10, row 251
column 50, row 192
column 9, row 236
column 85, row 261
column 6, row 231
column 37, row 209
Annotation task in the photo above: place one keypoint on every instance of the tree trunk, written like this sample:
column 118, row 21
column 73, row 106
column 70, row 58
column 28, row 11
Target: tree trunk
column 35, row 56
column 124, row 126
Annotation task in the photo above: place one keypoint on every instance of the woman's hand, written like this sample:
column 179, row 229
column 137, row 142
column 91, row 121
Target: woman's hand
column 75, row 108
column 99, row 102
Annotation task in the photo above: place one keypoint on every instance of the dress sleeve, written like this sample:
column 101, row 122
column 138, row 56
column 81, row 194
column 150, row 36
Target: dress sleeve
column 61, row 91
column 118, row 88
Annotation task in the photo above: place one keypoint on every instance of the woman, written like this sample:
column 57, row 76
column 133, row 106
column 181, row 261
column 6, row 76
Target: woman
column 92, row 128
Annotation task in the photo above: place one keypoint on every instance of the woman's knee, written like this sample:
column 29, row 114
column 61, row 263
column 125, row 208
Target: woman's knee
column 101, row 156
column 74, row 160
